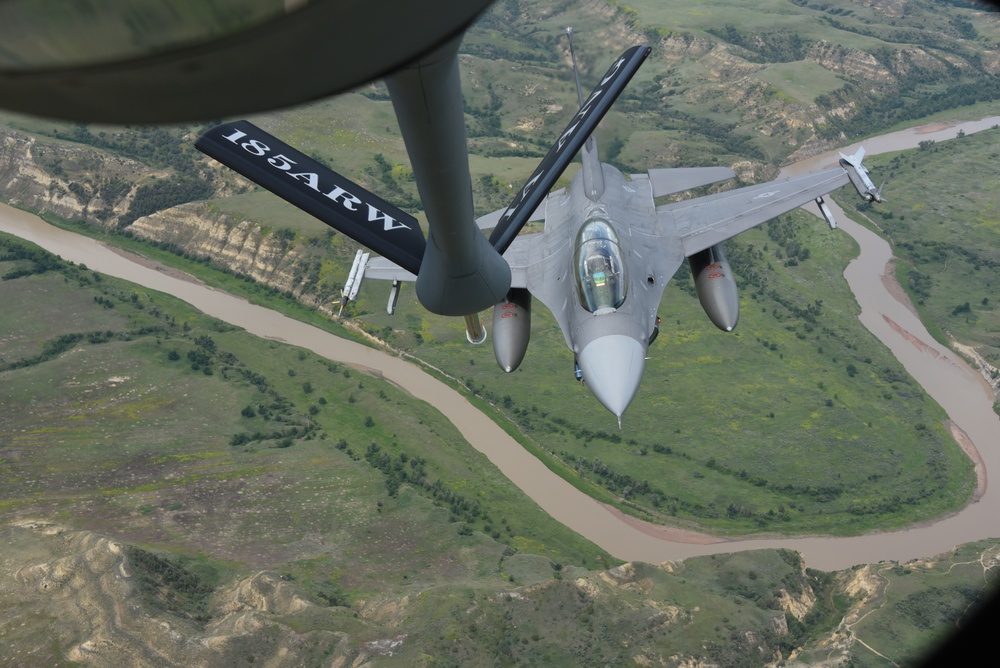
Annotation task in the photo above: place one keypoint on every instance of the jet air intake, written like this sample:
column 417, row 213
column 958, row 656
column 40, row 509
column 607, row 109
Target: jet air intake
column 716, row 287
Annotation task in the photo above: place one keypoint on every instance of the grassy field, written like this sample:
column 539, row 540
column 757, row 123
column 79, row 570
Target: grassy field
column 802, row 80
column 799, row 390
column 922, row 602
column 169, row 428
column 215, row 455
column 838, row 21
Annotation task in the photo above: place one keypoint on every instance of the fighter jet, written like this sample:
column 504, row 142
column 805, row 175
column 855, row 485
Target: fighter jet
column 603, row 259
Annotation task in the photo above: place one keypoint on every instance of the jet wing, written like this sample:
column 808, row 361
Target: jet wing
column 490, row 220
column 703, row 222
column 518, row 258
column 384, row 269
column 678, row 179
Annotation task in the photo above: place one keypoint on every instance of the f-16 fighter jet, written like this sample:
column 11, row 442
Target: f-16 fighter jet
column 607, row 249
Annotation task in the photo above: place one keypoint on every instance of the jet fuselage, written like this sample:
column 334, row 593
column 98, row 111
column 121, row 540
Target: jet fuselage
column 601, row 267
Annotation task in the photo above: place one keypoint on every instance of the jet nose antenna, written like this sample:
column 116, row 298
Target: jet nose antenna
column 612, row 367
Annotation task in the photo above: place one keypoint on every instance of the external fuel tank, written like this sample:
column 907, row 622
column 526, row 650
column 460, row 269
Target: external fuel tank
column 716, row 287
column 512, row 328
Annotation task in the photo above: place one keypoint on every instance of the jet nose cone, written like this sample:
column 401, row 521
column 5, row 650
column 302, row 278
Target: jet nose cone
column 612, row 367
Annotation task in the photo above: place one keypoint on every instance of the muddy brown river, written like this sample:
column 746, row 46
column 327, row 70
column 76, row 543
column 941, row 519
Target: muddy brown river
column 958, row 388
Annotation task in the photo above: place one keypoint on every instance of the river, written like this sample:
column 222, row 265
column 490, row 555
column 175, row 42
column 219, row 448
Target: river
column 942, row 373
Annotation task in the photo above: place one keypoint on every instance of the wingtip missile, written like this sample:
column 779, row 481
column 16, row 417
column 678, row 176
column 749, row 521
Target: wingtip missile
column 827, row 214
column 359, row 276
column 351, row 277
column 858, row 174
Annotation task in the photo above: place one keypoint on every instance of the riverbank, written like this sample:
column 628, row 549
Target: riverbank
column 625, row 537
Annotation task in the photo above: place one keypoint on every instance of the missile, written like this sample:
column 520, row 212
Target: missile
column 858, row 174
column 716, row 287
column 390, row 308
column 827, row 214
column 512, row 328
column 346, row 294
column 359, row 275
column 350, row 278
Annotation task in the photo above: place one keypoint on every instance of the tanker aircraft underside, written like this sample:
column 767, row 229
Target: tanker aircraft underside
column 607, row 249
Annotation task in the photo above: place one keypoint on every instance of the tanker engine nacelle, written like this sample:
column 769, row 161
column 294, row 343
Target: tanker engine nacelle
column 512, row 328
column 716, row 287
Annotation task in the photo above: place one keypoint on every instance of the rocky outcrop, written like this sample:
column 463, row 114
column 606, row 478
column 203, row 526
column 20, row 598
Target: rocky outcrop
column 263, row 592
column 853, row 63
column 200, row 229
column 79, row 182
column 684, row 45
column 86, row 589
column 68, row 180
column 243, row 247
column 797, row 606
column 724, row 65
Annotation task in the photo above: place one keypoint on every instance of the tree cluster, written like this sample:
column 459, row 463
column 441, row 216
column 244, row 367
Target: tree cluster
column 169, row 586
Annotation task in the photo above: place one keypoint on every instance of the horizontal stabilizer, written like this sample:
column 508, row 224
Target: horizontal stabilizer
column 566, row 147
column 318, row 190
column 678, row 179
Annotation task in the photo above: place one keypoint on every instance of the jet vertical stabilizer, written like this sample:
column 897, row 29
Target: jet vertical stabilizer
column 593, row 174
column 566, row 147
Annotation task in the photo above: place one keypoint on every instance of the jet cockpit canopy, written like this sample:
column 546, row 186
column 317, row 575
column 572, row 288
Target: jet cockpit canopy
column 600, row 267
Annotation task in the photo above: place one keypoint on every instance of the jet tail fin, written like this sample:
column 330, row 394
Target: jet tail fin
column 593, row 173
column 318, row 190
column 569, row 142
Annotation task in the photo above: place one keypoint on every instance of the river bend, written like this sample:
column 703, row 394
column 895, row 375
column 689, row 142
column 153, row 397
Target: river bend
column 943, row 374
